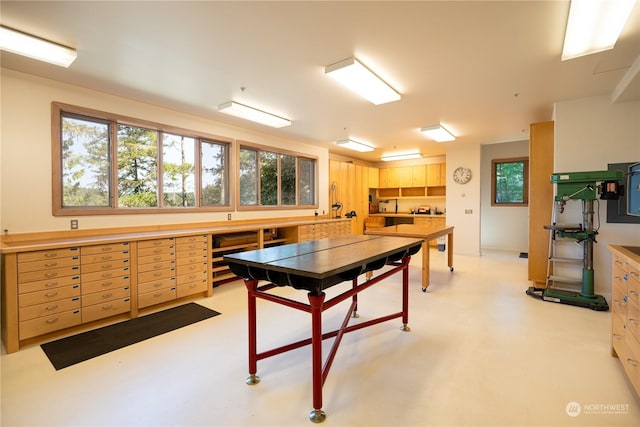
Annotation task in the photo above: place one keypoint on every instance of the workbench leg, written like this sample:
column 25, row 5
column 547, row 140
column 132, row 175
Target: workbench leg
column 425, row 265
column 354, row 313
column 252, row 285
column 317, row 415
column 450, row 251
column 405, row 294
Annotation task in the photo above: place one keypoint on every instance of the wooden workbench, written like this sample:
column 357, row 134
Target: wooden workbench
column 424, row 233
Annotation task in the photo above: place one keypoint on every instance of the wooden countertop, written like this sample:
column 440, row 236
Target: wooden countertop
column 632, row 252
column 104, row 236
column 408, row 215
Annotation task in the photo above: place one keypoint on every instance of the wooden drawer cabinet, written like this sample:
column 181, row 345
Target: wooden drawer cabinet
column 625, row 316
column 48, row 291
column 156, row 271
column 192, row 265
column 106, row 279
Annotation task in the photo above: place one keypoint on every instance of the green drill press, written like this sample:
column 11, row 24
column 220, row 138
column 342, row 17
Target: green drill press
column 583, row 186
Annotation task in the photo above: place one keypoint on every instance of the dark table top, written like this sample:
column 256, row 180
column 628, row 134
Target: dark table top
column 318, row 264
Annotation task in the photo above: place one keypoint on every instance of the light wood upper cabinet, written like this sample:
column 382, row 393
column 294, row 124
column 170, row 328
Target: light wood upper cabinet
column 436, row 174
column 418, row 176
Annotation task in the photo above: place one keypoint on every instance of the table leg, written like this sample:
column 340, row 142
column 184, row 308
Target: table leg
column 252, row 379
column 354, row 285
column 450, row 251
column 405, row 294
column 425, row 265
column 317, row 415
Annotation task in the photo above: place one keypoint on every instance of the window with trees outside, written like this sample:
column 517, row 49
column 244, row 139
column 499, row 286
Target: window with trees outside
column 510, row 182
column 277, row 179
column 112, row 165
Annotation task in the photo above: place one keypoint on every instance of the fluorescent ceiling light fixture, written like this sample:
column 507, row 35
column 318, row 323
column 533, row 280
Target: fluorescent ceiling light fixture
column 253, row 114
column 437, row 133
column 354, row 145
column 407, row 156
column 36, row 48
column 594, row 26
column 354, row 75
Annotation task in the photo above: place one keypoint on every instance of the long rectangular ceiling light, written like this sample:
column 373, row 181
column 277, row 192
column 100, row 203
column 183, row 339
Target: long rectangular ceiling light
column 437, row 133
column 594, row 26
column 253, row 114
column 354, row 145
column 36, row 48
column 353, row 74
column 407, row 156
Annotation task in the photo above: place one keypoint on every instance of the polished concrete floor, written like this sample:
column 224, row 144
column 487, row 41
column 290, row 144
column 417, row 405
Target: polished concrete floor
column 480, row 353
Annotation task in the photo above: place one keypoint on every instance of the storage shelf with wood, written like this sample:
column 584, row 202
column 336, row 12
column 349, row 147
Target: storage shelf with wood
column 56, row 283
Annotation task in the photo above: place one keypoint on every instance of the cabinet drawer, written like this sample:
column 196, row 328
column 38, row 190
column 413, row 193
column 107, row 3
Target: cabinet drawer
column 192, row 288
column 155, row 251
column 200, row 267
column 633, row 288
column 618, row 331
column 150, row 259
column 103, row 285
column 48, row 264
column 122, row 247
column 188, row 257
column 156, row 284
column 44, row 297
column 619, row 301
column 47, row 309
column 104, row 266
column 104, row 257
column 105, row 296
column 53, row 273
column 42, row 285
column 157, row 243
column 633, row 319
column 48, row 255
column 105, row 275
column 631, row 361
column 156, row 267
column 192, row 277
column 156, row 297
column 193, row 242
column 46, row 324
column 107, row 309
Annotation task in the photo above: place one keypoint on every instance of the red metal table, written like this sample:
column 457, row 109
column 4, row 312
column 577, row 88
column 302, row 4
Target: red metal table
column 315, row 266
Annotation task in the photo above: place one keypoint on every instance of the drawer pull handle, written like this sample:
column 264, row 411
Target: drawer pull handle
column 633, row 273
column 107, row 275
column 51, row 264
column 633, row 292
column 618, row 336
column 51, row 255
column 51, row 294
column 51, row 321
column 106, row 249
column 107, row 307
column 106, row 258
column 51, row 275
column 109, row 295
column 107, row 266
column 157, row 295
column 105, row 284
column 633, row 362
column 51, row 284
column 51, row 307
column 634, row 321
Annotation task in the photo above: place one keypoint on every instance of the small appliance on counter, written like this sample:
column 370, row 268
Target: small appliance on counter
column 423, row 210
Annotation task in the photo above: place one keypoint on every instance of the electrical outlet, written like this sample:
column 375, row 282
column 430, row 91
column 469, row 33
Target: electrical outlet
column 74, row 224
column 468, row 211
column 229, row 217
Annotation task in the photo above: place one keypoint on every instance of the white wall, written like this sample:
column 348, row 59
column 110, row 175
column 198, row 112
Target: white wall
column 464, row 198
column 590, row 133
column 25, row 154
column 503, row 228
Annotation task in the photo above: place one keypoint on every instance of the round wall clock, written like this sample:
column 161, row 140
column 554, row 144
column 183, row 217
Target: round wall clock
column 462, row 175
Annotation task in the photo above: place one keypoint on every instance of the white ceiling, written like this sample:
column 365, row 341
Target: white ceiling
column 486, row 70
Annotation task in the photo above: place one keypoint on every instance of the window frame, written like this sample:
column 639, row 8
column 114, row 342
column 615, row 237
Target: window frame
column 113, row 120
column 279, row 152
column 525, row 183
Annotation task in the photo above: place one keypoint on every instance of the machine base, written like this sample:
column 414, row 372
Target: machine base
column 596, row 302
